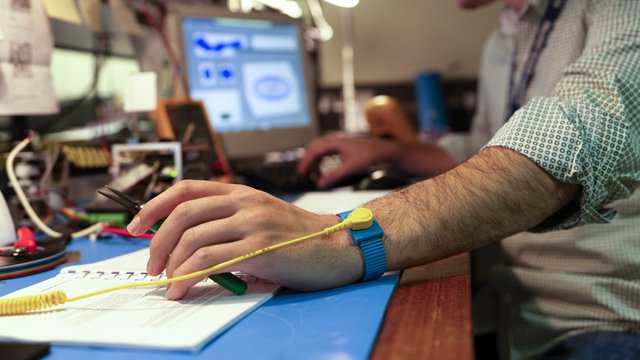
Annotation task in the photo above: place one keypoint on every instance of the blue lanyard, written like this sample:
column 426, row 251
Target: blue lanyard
column 517, row 94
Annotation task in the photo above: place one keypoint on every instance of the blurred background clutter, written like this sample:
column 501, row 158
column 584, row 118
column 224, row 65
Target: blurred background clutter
column 106, row 91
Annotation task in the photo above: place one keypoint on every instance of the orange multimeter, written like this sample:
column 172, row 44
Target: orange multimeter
column 186, row 120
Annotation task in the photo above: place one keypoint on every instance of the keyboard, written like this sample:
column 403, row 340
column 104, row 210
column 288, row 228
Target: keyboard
column 276, row 176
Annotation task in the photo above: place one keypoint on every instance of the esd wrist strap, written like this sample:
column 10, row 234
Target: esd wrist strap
column 370, row 243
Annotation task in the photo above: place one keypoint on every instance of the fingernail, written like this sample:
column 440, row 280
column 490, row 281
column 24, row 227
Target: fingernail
column 133, row 225
column 170, row 294
column 149, row 266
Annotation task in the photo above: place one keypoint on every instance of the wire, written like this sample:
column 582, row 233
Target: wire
column 360, row 218
column 200, row 272
column 178, row 74
column 123, row 232
column 25, row 202
column 49, row 168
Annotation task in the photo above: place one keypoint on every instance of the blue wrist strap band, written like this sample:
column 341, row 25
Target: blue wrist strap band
column 370, row 242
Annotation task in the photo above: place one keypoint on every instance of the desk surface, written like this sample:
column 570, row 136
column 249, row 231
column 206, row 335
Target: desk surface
column 429, row 315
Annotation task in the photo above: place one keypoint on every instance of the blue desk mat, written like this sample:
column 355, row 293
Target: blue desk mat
column 332, row 324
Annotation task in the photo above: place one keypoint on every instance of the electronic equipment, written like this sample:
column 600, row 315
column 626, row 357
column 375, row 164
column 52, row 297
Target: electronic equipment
column 253, row 75
column 14, row 261
column 26, row 256
column 384, row 178
column 387, row 120
column 46, row 255
column 186, row 121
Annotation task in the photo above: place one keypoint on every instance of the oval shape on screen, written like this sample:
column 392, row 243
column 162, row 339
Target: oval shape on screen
column 272, row 87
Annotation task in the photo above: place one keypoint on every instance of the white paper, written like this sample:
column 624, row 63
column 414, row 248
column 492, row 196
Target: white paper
column 333, row 202
column 140, row 93
column 137, row 317
column 25, row 53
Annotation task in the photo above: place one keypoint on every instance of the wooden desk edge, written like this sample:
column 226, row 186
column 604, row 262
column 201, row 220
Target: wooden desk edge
column 429, row 316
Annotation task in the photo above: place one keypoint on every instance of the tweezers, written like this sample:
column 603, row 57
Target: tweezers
column 227, row 280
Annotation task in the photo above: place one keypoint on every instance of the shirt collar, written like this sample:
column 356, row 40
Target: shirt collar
column 510, row 17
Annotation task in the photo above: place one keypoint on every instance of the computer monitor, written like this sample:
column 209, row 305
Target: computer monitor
column 253, row 75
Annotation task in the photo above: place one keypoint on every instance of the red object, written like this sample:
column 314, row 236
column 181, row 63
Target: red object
column 124, row 232
column 26, row 240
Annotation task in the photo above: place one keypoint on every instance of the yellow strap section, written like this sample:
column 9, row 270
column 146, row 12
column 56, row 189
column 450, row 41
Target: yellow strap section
column 209, row 269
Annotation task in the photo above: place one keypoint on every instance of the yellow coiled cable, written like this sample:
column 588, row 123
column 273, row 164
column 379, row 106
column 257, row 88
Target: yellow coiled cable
column 23, row 304
column 360, row 218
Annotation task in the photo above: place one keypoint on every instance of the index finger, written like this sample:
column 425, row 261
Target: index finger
column 162, row 205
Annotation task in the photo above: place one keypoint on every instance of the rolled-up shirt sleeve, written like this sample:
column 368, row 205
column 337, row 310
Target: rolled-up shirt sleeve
column 587, row 131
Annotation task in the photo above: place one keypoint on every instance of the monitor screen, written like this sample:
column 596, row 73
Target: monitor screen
column 248, row 72
column 251, row 72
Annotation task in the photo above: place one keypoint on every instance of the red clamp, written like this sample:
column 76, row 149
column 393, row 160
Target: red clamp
column 26, row 243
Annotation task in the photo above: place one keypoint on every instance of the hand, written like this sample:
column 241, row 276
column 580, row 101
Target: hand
column 209, row 222
column 356, row 156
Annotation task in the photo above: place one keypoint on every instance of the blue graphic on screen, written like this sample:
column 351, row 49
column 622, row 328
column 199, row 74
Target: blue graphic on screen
column 207, row 73
column 272, row 87
column 247, row 72
column 218, row 46
column 227, row 73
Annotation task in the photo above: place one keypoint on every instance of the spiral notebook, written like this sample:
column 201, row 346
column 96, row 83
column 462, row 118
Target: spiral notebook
column 137, row 317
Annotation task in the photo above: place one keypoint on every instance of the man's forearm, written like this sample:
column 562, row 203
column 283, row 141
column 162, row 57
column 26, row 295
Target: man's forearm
column 495, row 194
column 420, row 159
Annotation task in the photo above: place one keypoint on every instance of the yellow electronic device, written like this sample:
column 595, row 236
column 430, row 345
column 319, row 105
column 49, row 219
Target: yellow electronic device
column 185, row 120
column 386, row 119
